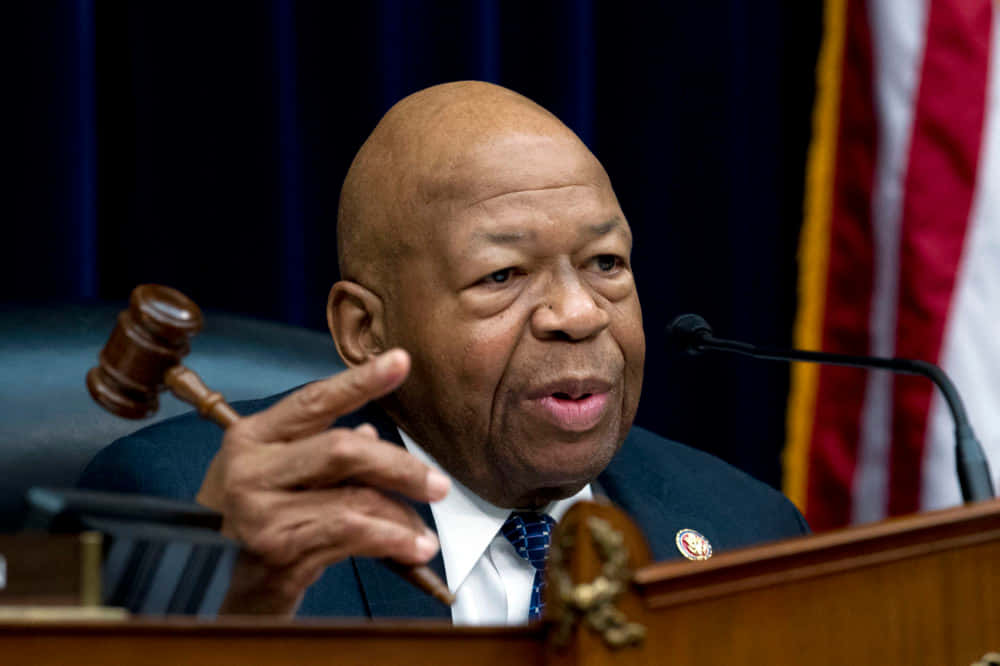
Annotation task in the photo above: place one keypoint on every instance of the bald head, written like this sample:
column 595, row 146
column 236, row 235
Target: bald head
column 415, row 156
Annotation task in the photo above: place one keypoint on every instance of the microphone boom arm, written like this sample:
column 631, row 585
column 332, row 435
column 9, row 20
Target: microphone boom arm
column 973, row 469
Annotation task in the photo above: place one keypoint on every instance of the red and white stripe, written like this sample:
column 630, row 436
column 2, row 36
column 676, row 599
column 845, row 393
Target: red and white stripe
column 897, row 31
column 971, row 349
column 912, row 265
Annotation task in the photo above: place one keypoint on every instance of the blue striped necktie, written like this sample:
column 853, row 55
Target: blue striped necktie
column 530, row 534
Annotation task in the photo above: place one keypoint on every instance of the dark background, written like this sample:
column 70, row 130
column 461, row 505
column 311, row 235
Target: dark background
column 202, row 145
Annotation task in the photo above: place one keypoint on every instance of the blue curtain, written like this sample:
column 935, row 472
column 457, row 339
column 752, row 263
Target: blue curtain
column 202, row 145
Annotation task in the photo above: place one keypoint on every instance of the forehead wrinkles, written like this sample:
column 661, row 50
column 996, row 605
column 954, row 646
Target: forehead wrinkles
column 508, row 163
column 543, row 218
column 445, row 162
column 511, row 182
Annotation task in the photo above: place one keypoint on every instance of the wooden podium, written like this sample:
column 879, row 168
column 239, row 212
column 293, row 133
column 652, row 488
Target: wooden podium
column 918, row 590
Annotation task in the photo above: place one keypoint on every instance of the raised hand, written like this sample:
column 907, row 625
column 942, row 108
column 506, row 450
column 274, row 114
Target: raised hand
column 301, row 496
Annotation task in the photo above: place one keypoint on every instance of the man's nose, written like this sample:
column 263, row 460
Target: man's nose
column 568, row 311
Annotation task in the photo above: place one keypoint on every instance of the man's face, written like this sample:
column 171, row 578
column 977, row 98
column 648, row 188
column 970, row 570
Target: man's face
column 520, row 313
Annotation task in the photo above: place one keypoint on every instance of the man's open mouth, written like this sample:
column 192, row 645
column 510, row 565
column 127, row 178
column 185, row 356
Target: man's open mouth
column 572, row 404
column 559, row 395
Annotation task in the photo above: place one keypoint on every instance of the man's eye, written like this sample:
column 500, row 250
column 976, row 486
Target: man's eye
column 607, row 262
column 499, row 277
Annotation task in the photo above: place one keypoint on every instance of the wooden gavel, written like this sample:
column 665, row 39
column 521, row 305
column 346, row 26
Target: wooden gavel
column 143, row 357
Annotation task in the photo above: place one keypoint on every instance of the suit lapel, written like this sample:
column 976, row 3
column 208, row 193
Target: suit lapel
column 654, row 519
column 386, row 593
column 655, row 504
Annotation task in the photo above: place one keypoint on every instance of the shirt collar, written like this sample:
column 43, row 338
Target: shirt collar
column 466, row 523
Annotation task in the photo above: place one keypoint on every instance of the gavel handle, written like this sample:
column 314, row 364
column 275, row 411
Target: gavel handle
column 187, row 386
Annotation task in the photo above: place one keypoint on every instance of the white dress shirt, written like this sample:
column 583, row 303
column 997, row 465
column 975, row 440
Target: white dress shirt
column 490, row 581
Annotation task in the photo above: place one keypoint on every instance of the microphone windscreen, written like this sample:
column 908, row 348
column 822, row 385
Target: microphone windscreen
column 687, row 331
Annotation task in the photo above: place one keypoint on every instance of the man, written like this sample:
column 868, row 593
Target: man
column 477, row 233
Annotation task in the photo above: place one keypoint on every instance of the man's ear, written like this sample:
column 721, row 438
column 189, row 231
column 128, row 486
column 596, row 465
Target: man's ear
column 354, row 314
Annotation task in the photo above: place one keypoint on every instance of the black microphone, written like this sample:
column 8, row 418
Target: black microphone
column 693, row 335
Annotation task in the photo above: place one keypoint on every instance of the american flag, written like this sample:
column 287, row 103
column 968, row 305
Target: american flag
column 899, row 256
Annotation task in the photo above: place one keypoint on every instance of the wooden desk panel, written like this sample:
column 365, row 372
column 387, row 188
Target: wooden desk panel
column 919, row 590
column 189, row 642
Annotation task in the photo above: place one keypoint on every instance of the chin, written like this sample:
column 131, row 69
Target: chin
column 542, row 496
column 567, row 467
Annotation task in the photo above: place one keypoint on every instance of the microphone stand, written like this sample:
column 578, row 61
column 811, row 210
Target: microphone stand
column 695, row 335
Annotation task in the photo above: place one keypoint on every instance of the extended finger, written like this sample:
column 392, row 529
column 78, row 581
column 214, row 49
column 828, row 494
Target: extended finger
column 368, row 430
column 291, row 581
column 345, row 456
column 375, row 537
column 315, row 406
column 348, row 520
column 274, row 571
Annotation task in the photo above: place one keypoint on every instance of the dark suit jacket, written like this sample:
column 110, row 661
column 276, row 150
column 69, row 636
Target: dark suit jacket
column 664, row 486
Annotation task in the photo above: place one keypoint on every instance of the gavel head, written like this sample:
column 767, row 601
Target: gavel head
column 151, row 337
